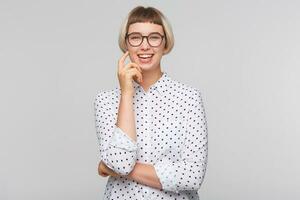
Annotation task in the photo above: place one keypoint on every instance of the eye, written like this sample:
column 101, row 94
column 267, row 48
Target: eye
column 134, row 37
column 155, row 37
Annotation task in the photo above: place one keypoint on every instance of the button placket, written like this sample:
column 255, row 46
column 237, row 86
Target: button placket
column 148, row 123
column 147, row 116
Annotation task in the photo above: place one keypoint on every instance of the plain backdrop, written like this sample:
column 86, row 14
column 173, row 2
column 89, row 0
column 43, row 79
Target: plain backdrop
column 55, row 56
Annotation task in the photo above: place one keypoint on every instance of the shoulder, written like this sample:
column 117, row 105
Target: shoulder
column 191, row 96
column 190, row 92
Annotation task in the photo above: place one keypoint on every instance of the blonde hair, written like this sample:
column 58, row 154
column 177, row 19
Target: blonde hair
column 147, row 14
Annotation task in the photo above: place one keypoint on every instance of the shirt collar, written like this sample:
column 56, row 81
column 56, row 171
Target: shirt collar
column 161, row 85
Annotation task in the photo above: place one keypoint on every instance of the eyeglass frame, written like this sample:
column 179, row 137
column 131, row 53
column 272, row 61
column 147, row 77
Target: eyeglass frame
column 144, row 36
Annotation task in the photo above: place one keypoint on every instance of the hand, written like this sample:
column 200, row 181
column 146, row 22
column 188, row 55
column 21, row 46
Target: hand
column 127, row 73
column 105, row 171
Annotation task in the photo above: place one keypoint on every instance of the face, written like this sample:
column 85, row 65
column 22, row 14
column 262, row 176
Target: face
column 140, row 54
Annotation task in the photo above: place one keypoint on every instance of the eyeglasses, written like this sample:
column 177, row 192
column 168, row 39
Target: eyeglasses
column 135, row 39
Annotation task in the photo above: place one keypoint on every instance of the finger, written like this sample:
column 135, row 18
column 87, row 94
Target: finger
column 100, row 171
column 137, row 66
column 104, row 174
column 132, row 64
column 107, row 170
column 115, row 175
column 112, row 173
column 133, row 72
column 101, row 167
column 122, row 60
column 134, row 77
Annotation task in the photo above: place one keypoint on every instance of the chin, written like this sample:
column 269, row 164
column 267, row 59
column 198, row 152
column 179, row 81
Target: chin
column 145, row 66
column 148, row 67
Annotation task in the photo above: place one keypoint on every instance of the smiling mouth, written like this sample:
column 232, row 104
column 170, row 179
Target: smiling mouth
column 145, row 56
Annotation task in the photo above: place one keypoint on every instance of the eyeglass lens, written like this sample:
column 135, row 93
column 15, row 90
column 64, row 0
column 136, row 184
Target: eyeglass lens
column 136, row 39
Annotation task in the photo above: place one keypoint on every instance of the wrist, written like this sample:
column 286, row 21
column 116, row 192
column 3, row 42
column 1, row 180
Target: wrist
column 127, row 94
column 132, row 174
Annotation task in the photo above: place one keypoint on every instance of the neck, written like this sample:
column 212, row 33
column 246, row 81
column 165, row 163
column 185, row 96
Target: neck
column 150, row 77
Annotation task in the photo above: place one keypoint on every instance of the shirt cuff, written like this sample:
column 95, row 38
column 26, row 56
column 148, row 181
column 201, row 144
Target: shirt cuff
column 167, row 175
column 121, row 140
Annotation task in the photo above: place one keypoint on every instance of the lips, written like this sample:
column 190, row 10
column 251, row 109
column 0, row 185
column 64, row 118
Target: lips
column 145, row 56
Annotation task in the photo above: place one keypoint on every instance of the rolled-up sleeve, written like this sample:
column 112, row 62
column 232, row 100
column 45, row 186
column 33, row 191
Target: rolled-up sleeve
column 188, row 173
column 117, row 149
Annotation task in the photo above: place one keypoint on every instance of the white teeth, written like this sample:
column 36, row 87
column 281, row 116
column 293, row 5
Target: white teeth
column 145, row 55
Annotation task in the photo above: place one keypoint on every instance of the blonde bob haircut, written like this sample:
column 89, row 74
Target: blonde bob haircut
column 147, row 14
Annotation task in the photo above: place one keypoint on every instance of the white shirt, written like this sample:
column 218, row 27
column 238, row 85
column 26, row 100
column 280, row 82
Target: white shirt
column 171, row 133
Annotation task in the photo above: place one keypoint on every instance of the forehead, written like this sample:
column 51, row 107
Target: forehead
column 145, row 28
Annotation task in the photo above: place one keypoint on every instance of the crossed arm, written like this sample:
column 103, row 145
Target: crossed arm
column 118, row 143
column 118, row 153
column 142, row 173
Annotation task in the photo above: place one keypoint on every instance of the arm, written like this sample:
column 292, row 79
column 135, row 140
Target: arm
column 126, row 120
column 145, row 174
column 117, row 148
column 188, row 173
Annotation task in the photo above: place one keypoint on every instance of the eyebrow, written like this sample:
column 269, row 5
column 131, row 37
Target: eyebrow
column 148, row 34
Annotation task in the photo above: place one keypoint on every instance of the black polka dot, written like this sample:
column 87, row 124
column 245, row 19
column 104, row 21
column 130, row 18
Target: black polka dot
column 172, row 136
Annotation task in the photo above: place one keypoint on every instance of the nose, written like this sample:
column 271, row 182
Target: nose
column 145, row 44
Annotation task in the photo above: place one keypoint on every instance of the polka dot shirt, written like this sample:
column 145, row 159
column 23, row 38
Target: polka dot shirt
column 172, row 135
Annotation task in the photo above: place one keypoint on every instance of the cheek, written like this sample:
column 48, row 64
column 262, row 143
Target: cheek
column 159, row 54
column 132, row 53
column 160, row 50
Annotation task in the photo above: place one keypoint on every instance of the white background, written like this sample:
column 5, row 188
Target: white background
column 55, row 56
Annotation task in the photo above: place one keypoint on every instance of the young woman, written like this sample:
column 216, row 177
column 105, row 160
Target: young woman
column 152, row 130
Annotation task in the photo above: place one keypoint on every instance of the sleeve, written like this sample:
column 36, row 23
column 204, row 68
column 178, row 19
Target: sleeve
column 188, row 172
column 117, row 149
